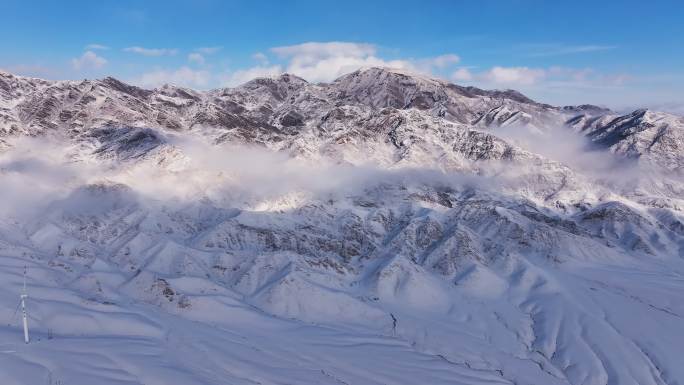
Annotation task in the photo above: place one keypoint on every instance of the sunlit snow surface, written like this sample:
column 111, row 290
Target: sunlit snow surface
column 525, row 323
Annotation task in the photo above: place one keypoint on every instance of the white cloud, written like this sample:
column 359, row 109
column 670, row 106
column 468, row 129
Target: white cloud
column 313, row 51
column 242, row 76
column 462, row 74
column 444, row 61
column 208, row 50
column 196, row 58
column 514, row 75
column 152, row 51
column 260, row 57
column 184, row 76
column 96, row 46
column 89, row 60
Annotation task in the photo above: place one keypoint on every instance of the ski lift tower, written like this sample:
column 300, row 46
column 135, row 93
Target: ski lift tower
column 23, row 309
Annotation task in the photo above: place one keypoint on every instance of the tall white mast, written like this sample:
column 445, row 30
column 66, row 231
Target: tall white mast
column 23, row 309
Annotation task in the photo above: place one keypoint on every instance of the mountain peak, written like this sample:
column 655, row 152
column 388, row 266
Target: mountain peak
column 284, row 78
column 291, row 78
column 381, row 73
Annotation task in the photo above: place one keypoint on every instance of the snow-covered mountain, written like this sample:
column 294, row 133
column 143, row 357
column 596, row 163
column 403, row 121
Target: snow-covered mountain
column 385, row 228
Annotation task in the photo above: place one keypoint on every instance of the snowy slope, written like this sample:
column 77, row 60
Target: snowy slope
column 643, row 134
column 386, row 228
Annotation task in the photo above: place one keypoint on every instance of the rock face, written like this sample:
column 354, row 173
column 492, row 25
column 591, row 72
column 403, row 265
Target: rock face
column 382, row 204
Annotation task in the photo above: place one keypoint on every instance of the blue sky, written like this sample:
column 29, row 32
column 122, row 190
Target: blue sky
column 615, row 53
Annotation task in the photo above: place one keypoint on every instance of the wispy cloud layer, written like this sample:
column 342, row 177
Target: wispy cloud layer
column 208, row 50
column 96, row 46
column 539, row 50
column 152, row 51
column 559, row 77
column 676, row 108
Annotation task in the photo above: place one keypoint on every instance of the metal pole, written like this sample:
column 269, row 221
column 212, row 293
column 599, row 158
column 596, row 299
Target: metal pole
column 23, row 309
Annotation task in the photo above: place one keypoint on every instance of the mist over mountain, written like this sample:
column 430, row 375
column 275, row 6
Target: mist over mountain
column 383, row 228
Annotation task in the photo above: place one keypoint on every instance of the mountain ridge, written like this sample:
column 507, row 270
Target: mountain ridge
column 178, row 108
